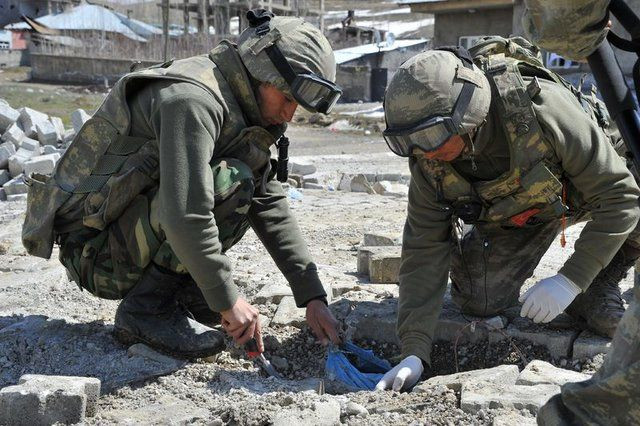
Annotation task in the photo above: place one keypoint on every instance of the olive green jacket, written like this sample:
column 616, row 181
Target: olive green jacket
column 605, row 189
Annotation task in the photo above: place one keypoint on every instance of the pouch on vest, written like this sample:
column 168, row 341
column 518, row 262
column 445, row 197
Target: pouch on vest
column 252, row 147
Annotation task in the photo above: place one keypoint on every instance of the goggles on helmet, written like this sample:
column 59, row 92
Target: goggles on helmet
column 309, row 90
column 431, row 133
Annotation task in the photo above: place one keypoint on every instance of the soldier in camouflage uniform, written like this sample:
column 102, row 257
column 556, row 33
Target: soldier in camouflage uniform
column 574, row 29
column 168, row 175
column 503, row 154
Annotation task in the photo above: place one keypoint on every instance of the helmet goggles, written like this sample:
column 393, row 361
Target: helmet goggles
column 433, row 132
column 309, row 90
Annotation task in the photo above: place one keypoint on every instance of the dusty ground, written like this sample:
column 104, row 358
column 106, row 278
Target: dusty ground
column 48, row 326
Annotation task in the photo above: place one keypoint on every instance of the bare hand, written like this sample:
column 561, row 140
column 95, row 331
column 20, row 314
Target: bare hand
column 322, row 322
column 242, row 323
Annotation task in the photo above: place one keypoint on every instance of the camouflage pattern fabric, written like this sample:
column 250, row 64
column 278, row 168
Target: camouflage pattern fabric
column 572, row 28
column 109, row 263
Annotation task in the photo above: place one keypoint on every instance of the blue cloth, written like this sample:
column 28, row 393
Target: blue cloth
column 365, row 372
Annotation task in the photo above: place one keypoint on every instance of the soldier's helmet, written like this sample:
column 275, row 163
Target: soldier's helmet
column 300, row 48
column 429, row 85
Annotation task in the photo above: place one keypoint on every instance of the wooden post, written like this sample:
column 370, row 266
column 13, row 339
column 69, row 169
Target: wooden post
column 185, row 17
column 203, row 21
column 165, row 28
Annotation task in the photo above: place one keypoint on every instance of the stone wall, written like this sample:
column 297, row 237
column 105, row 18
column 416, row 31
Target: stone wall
column 355, row 82
column 14, row 58
column 449, row 27
column 79, row 70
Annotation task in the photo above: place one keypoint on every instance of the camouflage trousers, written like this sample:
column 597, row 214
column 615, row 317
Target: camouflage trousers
column 109, row 263
column 490, row 265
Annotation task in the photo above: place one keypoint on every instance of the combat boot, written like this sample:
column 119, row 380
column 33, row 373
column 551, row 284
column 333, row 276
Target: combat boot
column 150, row 314
column 192, row 299
column 601, row 306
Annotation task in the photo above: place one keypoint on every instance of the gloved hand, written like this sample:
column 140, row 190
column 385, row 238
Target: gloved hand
column 403, row 375
column 548, row 298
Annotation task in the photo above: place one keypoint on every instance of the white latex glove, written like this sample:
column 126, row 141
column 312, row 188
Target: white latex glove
column 403, row 375
column 548, row 298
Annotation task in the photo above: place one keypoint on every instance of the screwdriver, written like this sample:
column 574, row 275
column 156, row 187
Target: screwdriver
column 258, row 357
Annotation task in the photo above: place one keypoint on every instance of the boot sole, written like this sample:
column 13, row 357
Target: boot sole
column 128, row 339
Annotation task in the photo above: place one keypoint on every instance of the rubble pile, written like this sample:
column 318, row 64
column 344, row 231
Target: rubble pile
column 31, row 142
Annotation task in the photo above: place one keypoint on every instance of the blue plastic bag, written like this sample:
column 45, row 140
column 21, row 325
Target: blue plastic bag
column 363, row 374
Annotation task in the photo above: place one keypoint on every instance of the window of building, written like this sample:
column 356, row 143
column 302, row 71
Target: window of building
column 558, row 62
column 4, row 45
column 468, row 41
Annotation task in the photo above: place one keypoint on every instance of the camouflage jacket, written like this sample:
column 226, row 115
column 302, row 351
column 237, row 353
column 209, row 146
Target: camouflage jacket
column 580, row 150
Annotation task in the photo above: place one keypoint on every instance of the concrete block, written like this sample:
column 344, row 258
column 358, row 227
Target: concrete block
column 288, row 313
column 50, row 149
column 8, row 116
column 588, row 345
column 380, row 239
column 17, row 160
column 301, row 167
column 78, row 118
column 68, row 136
column 47, row 133
column 59, row 126
column 539, row 372
column 29, row 119
column 17, row 197
column 44, row 400
column 500, row 375
column 31, row 145
column 453, row 326
column 359, row 183
column 9, row 146
column 483, row 396
column 384, row 268
column 273, row 293
column 14, row 134
column 4, row 176
column 373, row 320
column 366, row 252
column 16, row 186
column 559, row 343
column 5, row 154
column 3, row 195
column 345, row 182
column 43, row 164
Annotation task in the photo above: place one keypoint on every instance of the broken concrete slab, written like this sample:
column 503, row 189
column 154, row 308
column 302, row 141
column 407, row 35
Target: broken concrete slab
column 500, row 375
column 321, row 413
column 359, row 183
column 47, row 133
column 44, row 400
column 289, row 314
column 559, row 343
column 272, row 292
column 43, row 164
column 539, row 372
column 365, row 253
column 78, row 118
column 589, row 344
column 373, row 321
column 371, row 239
column 301, row 167
column 29, row 119
column 475, row 397
column 8, row 116
column 384, row 268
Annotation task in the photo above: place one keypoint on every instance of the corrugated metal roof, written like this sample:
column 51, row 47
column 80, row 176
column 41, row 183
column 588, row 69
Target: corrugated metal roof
column 94, row 17
column 356, row 52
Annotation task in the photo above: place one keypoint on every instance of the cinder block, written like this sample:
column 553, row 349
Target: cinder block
column 44, row 400
column 14, row 134
column 16, row 186
column 8, row 116
column 47, row 133
column 29, row 119
column 4, row 176
column 78, row 118
column 384, row 268
column 366, row 252
column 43, row 164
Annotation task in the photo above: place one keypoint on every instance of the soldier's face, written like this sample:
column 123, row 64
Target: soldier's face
column 275, row 106
column 449, row 151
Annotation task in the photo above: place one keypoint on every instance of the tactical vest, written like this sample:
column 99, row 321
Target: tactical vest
column 532, row 186
column 105, row 168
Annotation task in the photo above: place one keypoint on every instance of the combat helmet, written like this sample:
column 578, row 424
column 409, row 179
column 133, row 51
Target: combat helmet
column 293, row 55
column 433, row 96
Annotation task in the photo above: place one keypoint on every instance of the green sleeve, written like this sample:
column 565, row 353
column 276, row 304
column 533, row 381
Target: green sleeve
column 599, row 174
column 278, row 230
column 424, row 268
column 187, row 121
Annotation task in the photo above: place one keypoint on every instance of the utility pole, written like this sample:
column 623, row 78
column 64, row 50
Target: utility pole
column 322, row 16
column 165, row 28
